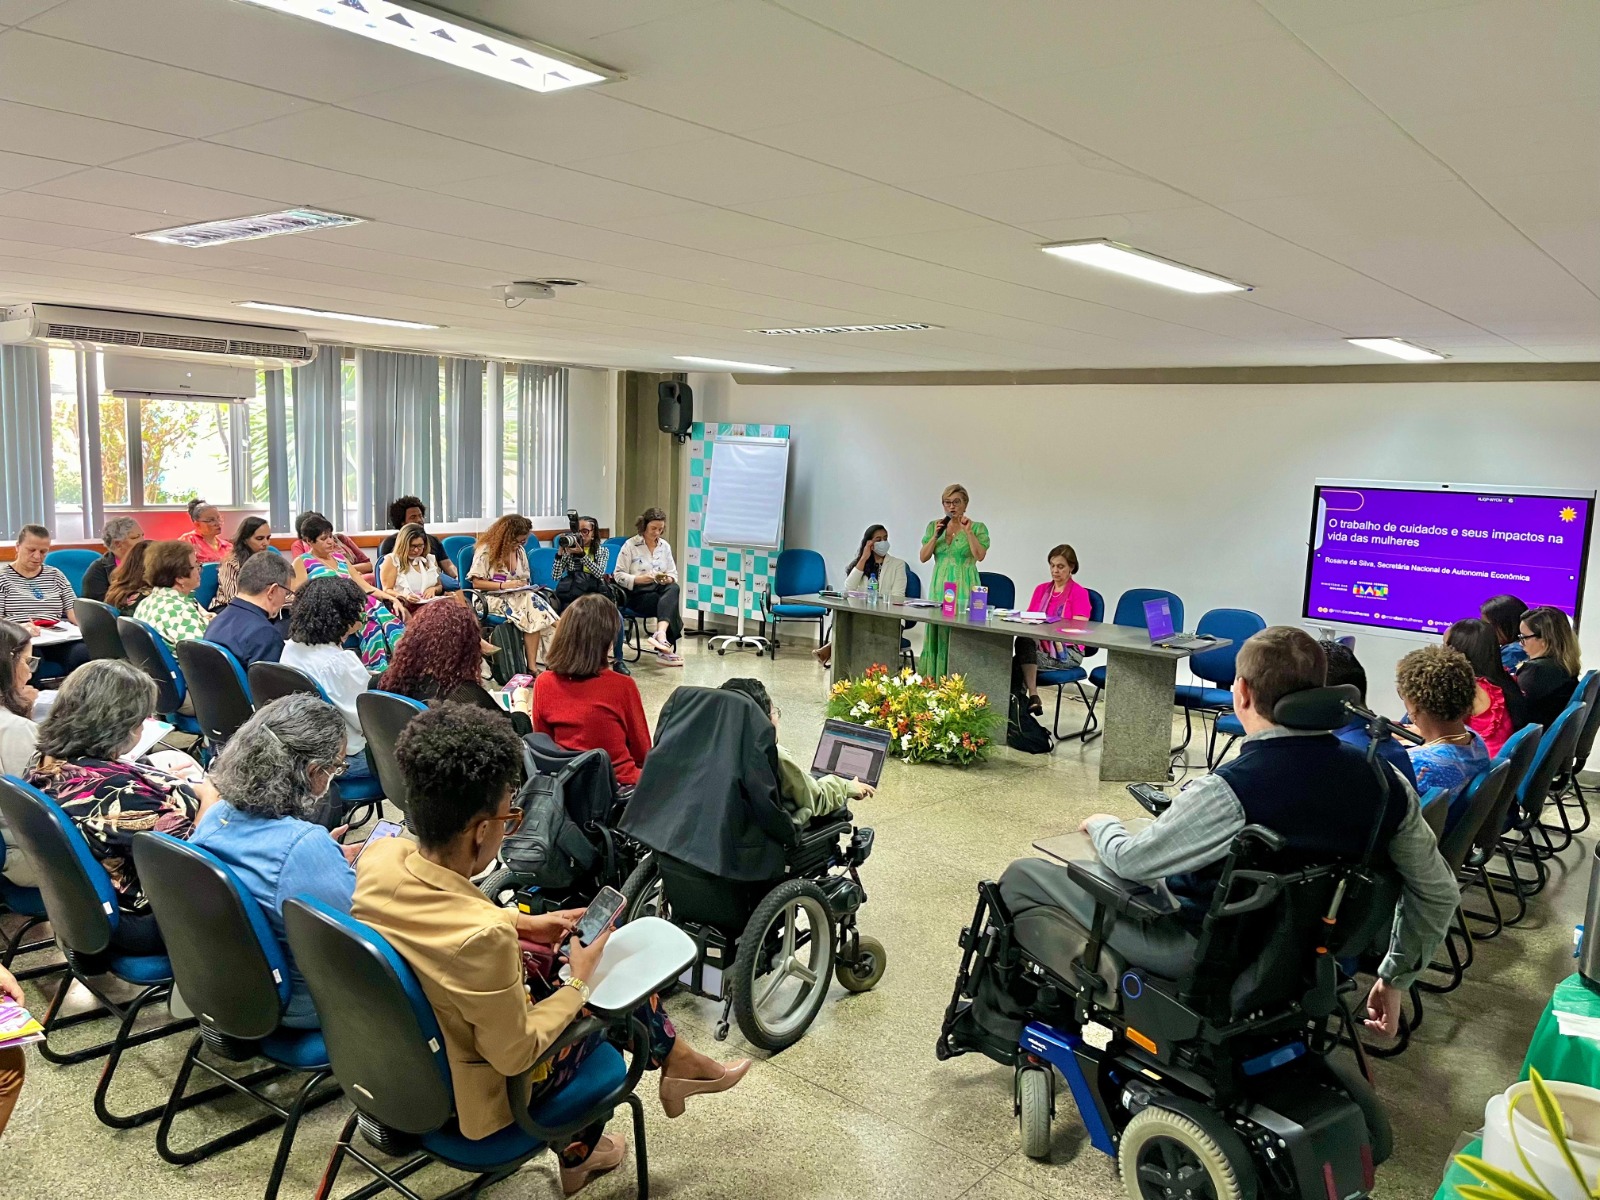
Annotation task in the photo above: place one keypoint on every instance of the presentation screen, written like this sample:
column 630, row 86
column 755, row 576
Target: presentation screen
column 1420, row 556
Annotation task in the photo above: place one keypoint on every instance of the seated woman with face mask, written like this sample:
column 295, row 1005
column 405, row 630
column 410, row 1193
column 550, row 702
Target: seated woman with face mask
column 872, row 561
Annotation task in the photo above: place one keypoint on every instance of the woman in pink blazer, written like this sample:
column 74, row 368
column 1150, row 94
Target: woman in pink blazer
column 1062, row 598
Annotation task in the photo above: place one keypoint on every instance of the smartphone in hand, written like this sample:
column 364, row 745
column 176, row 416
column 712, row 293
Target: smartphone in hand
column 383, row 829
column 597, row 918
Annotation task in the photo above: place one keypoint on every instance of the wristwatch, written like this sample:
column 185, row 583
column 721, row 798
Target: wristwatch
column 581, row 986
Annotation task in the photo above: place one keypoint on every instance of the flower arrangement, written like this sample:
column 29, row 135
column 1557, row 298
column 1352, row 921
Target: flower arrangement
column 931, row 720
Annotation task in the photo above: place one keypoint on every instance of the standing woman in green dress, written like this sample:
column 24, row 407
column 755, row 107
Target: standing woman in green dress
column 957, row 545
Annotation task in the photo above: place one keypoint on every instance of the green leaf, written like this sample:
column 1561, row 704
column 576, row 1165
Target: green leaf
column 1556, row 1125
column 1506, row 1185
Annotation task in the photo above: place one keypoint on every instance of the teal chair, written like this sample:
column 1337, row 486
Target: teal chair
column 73, row 564
column 207, row 591
column 1130, row 612
column 1059, row 679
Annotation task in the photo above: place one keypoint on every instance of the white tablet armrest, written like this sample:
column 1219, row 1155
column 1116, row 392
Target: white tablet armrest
column 642, row 957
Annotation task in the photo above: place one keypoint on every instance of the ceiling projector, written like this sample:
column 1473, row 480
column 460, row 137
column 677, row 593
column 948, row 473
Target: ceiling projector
column 530, row 289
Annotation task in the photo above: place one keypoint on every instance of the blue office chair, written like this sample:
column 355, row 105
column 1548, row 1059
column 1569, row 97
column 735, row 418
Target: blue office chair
column 218, row 688
column 271, row 681
column 1525, row 840
column 1059, row 679
column 207, row 591
column 81, row 906
column 383, row 716
column 1512, row 761
column 1216, row 668
column 1002, row 589
column 74, row 564
column 632, row 622
column 474, row 597
column 97, row 621
column 27, row 903
column 542, row 567
column 1130, row 612
column 234, row 974
column 798, row 573
column 400, row 1083
column 1566, row 792
column 149, row 651
column 913, row 592
column 452, row 547
column 613, row 547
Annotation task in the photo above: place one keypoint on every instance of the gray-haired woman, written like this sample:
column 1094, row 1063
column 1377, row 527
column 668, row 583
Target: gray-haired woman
column 96, row 719
column 273, row 775
column 119, row 535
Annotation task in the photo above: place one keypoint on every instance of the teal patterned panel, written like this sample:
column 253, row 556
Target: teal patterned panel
column 711, row 581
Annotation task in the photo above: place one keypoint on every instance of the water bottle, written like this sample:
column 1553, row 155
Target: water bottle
column 872, row 589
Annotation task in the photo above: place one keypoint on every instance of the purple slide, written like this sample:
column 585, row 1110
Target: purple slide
column 1420, row 557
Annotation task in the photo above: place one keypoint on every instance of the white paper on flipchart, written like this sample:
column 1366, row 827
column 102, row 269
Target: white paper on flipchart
column 745, row 503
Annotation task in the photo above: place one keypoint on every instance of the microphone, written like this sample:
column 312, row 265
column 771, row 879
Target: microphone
column 1326, row 708
column 943, row 521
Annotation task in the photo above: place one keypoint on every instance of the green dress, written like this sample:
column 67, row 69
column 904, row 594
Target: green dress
column 952, row 563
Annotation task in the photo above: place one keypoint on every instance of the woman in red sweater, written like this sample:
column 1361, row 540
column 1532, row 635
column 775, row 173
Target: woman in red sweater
column 580, row 701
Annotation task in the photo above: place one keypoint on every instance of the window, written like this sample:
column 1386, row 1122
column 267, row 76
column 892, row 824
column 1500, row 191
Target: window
column 66, row 443
column 508, row 440
column 115, row 469
column 186, row 451
column 350, row 427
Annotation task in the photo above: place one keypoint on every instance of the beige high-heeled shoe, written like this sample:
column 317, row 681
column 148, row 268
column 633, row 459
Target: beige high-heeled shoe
column 675, row 1093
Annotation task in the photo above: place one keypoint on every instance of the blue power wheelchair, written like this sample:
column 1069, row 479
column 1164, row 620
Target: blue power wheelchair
column 1199, row 1057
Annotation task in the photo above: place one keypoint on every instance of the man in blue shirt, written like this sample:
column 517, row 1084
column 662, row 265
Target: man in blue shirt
column 245, row 627
column 1344, row 667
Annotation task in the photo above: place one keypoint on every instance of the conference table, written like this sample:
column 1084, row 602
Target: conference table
column 1140, row 676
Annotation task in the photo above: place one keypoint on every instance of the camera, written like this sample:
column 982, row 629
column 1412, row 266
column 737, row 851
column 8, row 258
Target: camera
column 568, row 542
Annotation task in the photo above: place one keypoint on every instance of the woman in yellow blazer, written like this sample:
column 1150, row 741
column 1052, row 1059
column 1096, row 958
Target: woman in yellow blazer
column 461, row 764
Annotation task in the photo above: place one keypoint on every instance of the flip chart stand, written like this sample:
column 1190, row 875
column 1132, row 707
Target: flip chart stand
column 739, row 639
column 744, row 512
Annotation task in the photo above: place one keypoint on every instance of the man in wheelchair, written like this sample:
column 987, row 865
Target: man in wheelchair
column 771, row 904
column 1206, row 945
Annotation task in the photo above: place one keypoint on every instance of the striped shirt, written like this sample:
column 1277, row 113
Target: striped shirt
column 47, row 594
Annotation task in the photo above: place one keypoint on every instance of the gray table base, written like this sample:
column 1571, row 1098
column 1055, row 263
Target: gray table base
column 861, row 639
column 1138, row 741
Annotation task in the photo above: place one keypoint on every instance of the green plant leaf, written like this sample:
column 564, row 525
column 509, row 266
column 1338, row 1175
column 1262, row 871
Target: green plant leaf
column 1555, row 1123
column 1505, row 1185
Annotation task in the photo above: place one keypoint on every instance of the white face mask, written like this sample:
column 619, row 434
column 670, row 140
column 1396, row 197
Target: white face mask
column 880, row 547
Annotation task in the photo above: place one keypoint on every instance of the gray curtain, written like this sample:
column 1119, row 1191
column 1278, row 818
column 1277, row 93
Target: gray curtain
column 463, row 421
column 541, row 440
column 27, row 483
column 277, row 453
column 318, row 435
column 399, row 453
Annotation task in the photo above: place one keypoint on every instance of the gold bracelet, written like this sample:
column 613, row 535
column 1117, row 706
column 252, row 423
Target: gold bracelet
column 581, row 986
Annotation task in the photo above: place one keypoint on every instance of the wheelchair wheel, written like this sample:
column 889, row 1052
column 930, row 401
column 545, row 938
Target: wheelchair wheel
column 781, row 970
column 863, row 974
column 499, row 886
column 1165, row 1155
column 1034, row 1102
column 644, row 892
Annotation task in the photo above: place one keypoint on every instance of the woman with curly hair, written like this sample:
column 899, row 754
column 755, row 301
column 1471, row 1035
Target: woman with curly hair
column 442, row 659
column 1440, row 689
column 380, row 632
column 328, row 610
column 501, row 573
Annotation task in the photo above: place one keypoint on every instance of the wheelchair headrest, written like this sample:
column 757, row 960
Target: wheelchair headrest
column 78, row 896
column 382, row 1036
column 1325, row 708
column 225, row 958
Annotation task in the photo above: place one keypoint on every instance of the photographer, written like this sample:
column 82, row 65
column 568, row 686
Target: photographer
column 580, row 570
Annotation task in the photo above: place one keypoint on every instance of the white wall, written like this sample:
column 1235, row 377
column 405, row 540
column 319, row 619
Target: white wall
column 1205, row 490
column 592, row 443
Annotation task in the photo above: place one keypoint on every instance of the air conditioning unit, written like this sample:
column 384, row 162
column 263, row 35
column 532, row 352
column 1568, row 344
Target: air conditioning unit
column 176, row 379
column 152, row 335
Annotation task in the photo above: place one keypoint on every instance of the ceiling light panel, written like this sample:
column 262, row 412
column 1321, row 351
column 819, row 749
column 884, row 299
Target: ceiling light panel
column 334, row 316
column 249, row 229
column 449, row 39
column 1398, row 348
column 901, row 327
column 1125, row 260
column 728, row 364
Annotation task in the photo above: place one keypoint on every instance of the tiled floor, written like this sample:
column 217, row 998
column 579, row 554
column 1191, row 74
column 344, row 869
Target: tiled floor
column 860, row 1107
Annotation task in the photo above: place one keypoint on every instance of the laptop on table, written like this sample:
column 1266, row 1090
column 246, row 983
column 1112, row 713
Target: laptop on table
column 851, row 750
column 1158, row 620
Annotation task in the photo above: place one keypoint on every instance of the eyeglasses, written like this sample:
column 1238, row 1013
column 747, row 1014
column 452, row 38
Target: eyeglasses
column 512, row 820
column 777, row 713
column 1529, row 637
column 31, row 663
column 334, row 770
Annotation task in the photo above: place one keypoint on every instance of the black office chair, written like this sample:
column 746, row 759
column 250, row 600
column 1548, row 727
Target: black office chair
column 28, row 904
column 98, row 624
column 236, row 977
column 218, row 689
column 383, row 716
column 271, row 681
column 82, row 907
column 400, row 1081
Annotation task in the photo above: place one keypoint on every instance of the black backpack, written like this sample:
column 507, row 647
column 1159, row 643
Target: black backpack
column 1023, row 731
column 549, row 849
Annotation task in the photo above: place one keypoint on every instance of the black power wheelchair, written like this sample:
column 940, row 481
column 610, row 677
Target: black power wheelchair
column 1218, row 1080
column 771, row 908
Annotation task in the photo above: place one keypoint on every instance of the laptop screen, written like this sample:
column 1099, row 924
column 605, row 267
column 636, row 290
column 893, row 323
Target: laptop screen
column 851, row 750
column 1158, row 618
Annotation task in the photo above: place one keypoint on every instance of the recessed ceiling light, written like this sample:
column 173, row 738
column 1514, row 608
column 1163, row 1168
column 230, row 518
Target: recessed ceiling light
column 334, row 316
column 1125, row 260
column 730, row 364
column 899, row 327
column 1398, row 348
column 246, row 229
column 450, row 39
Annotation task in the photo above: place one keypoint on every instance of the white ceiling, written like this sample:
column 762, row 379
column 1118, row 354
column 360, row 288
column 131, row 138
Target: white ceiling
column 1428, row 169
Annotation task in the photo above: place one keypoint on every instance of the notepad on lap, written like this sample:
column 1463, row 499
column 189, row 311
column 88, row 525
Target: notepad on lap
column 17, row 1026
